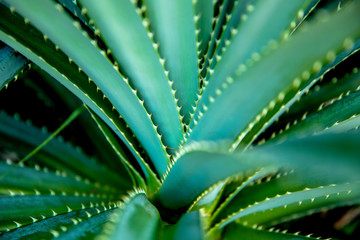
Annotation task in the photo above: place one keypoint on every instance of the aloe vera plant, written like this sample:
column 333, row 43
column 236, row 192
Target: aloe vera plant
column 208, row 119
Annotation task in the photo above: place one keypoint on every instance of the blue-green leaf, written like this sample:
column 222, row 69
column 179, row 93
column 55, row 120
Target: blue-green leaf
column 90, row 226
column 133, row 50
column 273, row 209
column 138, row 219
column 204, row 16
column 74, row 223
column 249, row 37
column 188, row 227
column 322, row 152
column 190, row 182
column 292, row 102
column 247, row 233
column 24, row 37
column 53, row 21
column 152, row 183
column 18, row 210
column 220, row 19
column 73, row 7
column 273, row 185
column 26, row 138
column 174, row 30
column 10, row 65
column 338, row 109
column 254, row 94
column 29, row 180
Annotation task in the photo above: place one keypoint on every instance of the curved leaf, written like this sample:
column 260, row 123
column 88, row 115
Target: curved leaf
column 342, row 108
column 313, row 200
column 188, row 227
column 10, row 65
column 133, row 50
column 281, row 110
column 204, row 13
column 259, row 93
column 88, row 228
column 138, row 219
column 222, row 8
column 152, row 183
column 80, row 222
column 235, row 230
column 190, row 182
column 322, row 152
column 53, row 21
column 70, row 160
column 277, row 184
column 56, row 62
column 29, row 180
column 174, row 28
column 248, row 39
column 18, row 210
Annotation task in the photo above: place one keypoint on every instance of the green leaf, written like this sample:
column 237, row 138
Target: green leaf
column 18, row 210
column 55, row 63
column 133, row 50
column 341, row 110
column 209, row 199
column 321, row 152
column 68, row 121
column 138, row 219
column 222, row 7
column 271, row 210
column 274, row 185
column 235, row 230
column 73, row 7
column 191, row 183
column 89, row 228
column 80, row 221
column 233, row 18
column 204, row 12
column 281, row 110
column 311, row 47
column 235, row 195
column 102, row 150
column 53, row 21
column 249, row 37
column 350, row 124
column 188, row 227
column 25, row 137
column 330, row 112
column 322, row 92
column 152, row 183
column 29, row 180
column 174, row 30
column 313, row 166
column 10, row 65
